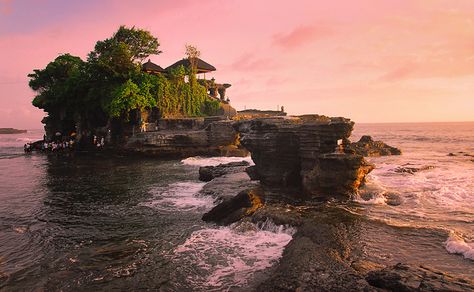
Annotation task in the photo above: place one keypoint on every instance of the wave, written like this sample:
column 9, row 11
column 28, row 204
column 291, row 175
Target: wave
column 457, row 245
column 213, row 161
column 182, row 196
column 230, row 256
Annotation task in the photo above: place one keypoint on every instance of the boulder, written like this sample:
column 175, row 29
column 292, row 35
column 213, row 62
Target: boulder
column 303, row 152
column 403, row 277
column 235, row 208
column 367, row 147
column 208, row 173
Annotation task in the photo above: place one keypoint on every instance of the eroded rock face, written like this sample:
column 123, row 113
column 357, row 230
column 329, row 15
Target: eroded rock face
column 216, row 138
column 402, row 277
column 235, row 208
column 208, row 173
column 367, row 147
column 303, row 152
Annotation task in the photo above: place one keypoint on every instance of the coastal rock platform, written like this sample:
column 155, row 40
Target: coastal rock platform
column 305, row 152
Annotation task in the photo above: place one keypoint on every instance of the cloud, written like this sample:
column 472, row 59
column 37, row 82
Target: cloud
column 249, row 62
column 399, row 73
column 300, row 36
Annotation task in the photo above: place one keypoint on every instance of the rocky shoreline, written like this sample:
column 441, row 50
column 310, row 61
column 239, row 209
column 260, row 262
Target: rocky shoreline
column 304, row 177
column 327, row 250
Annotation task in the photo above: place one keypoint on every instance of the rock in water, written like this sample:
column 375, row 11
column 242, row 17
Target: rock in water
column 402, row 277
column 367, row 147
column 303, row 152
column 234, row 209
column 208, row 173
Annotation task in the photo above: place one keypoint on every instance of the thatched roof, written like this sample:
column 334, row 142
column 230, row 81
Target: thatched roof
column 202, row 66
column 152, row 67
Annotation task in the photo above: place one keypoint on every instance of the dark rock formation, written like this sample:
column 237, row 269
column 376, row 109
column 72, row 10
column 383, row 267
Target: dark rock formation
column 208, row 173
column 402, row 277
column 228, row 186
column 461, row 153
column 412, row 170
column 302, row 152
column 234, row 209
column 217, row 138
column 367, row 147
column 11, row 131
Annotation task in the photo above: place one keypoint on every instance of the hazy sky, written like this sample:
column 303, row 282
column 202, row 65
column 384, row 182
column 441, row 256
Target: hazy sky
column 372, row 61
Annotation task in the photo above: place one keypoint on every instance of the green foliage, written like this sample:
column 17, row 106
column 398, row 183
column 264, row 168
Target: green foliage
column 129, row 96
column 58, row 83
column 211, row 107
column 111, row 82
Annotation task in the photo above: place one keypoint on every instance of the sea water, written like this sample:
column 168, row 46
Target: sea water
column 98, row 222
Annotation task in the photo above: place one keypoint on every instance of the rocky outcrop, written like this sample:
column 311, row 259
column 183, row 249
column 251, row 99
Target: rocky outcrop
column 216, row 138
column 303, row 152
column 208, row 173
column 367, row 147
column 11, row 131
column 402, row 277
column 412, row 169
column 235, row 208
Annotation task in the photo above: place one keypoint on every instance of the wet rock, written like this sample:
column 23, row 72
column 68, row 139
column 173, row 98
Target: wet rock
column 234, row 209
column 461, row 153
column 208, row 173
column 393, row 199
column 412, row 170
column 252, row 172
column 301, row 152
column 227, row 186
column 367, row 147
column 403, row 277
column 317, row 259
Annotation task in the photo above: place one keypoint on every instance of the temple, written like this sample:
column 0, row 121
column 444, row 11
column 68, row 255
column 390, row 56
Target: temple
column 214, row 90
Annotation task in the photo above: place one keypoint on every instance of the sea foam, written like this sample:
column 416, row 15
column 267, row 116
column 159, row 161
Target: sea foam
column 182, row 196
column 230, row 256
column 457, row 245
column 213, row 161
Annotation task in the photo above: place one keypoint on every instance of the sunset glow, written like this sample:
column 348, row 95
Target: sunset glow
column 372, row 61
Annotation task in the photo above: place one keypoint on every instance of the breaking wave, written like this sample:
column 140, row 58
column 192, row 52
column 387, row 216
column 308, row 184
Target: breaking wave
column 230, row 256
column 457, row 245
column 182, row 196
column 213, row 161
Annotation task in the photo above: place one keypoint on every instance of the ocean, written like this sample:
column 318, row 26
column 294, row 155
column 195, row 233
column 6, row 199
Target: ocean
column 101, row 222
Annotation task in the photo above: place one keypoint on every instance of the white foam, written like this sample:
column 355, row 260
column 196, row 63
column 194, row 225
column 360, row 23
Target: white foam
column 372, row 189
column 230, row 256
column 457, row 245
column 179, row 196
column 376, row 199
column 213, row 161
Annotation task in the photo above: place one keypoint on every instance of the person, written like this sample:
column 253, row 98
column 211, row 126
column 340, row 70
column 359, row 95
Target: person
column 143, row 127
column 102, row 142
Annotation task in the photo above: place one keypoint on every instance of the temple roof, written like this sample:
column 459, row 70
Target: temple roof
column 152, row 67
column 202, row 66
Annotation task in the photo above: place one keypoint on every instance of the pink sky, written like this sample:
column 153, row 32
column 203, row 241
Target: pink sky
column 371, row 61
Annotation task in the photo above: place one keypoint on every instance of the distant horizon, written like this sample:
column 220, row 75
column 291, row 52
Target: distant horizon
column 376, row 61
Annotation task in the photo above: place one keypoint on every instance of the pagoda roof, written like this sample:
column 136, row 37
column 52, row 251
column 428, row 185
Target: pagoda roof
column 201, row 66
column 152, row 67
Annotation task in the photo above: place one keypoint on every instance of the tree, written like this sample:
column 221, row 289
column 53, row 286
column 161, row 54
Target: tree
column 119, row 57
column 193, row 54
column 58, row 84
